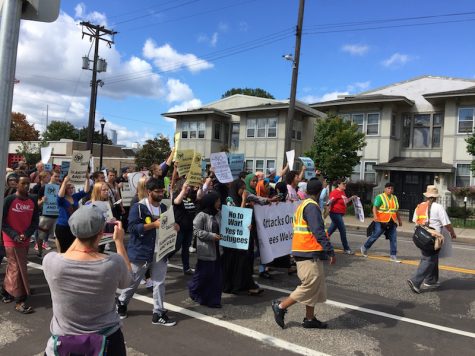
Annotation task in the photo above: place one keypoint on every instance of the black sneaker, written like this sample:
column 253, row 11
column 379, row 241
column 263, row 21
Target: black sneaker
column 414, row 288
column 314, row 324
column 121, row 310
column 279, row 314
column 162, row 320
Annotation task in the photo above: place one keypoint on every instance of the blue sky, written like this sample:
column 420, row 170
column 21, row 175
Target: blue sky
column 173, row 55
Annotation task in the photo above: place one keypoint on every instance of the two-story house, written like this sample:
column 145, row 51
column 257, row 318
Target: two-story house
column 415, row 133
column 246, row 124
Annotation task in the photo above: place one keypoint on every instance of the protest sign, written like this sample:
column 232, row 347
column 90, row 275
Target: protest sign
column 50, row 204
column 309, row 167
column 127, row 193
column 219, row 161
column 166, row 235
column 64, row 169
column 274, row 229
column 46, row 154
column 177, row 144
column 359, row 212
column 91, row 164
column 78, row 167
column 290, row 159
column 193, row 178
column 184, row 159
column 236, row 164
column 203, row 168
column 134, row 178
column 48, row 167
column 106, row 209
column 234, row 227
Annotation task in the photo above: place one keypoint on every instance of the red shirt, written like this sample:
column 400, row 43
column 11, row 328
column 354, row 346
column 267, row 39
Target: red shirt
column 19, row 218
column 338, row 204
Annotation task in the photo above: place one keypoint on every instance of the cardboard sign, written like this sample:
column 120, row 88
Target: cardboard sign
column 290, row 159
column 309, row 167
column 193, row 178
column 184, row 159
column 166, row 235
column 219, row 161
column 236, row 164
column 177, row 144
column 234, row 227
column 134, row 178
column 78, row 167
column 127, row 193
column 50, row 203
column 46, row 154
column 359, row 211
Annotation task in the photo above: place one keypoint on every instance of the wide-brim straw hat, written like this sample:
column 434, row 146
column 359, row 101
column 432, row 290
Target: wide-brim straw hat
column 431, row 192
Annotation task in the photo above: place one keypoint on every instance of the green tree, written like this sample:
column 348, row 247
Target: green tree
column 31, row 151
column 471, row 150
column 248, row 91
column 21, row 129
column 153, row 151
column 96, row 137
column 60, row 129
column 335, row 146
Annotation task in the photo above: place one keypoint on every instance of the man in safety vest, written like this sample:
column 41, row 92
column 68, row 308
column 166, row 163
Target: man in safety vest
column 310, row 246
column 385, row 212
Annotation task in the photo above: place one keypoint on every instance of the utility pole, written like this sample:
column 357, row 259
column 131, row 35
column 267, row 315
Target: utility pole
column 47, row 118
column 96, row 33
column 295, row 74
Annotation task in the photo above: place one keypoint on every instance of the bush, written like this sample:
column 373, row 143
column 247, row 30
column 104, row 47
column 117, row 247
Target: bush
column 459, row 212
column 362, row 189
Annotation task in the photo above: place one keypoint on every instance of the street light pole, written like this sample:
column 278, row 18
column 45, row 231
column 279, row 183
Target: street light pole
column 103, row 123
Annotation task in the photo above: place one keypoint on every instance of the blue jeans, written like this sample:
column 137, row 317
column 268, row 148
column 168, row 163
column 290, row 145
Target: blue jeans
column 427, row 270
column 183, row 241
column 378, row 231
column 338, row 223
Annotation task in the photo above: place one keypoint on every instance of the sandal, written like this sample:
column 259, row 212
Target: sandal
column 8, row 299
column 24, row 309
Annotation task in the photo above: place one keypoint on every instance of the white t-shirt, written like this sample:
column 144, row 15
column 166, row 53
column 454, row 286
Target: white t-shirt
column 438, row 217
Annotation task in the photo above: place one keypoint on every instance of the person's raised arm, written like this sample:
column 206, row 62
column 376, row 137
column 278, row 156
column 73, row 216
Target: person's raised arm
column 170, row 158
column 62, row 189
column 179, row 199
column 302, row 171
column 284, row 170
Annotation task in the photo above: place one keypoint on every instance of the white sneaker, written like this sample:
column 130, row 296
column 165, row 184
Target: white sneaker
column 348, row 252
column 149, row 283
column 393, row 258
column 364, row 252
column 192, row 249
column 431, row 286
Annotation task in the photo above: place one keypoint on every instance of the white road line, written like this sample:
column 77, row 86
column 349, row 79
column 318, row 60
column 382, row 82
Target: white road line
column 264, row 338
column 374, row 312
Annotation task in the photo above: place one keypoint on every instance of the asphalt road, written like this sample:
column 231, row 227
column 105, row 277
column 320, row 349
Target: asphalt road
column 370, row 311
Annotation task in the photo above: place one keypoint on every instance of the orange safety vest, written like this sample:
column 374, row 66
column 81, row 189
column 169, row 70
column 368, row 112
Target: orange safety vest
column 304, row 240
column 421, row 213
column 388, row 210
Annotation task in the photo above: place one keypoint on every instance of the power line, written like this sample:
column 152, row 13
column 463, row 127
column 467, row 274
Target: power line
column 128, row 13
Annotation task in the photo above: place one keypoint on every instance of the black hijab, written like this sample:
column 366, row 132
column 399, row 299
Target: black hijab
column 207, row 203
column 281, row 189
column 234, row 191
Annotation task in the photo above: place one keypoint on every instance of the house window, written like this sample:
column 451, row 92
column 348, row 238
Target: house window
column 234, row 136
column 299, row 135
column 251, row 127
column 193, row 129
column 185, row 127
column 465, row 123
column 358, row 119
column 261, row 127
column 422, row 130
column 345, row 117
column 372, row 124
column 356, row 174
column 217, row 131
column 462, row 175
column 249, row 165
column 270, row 164
column 369, row 172
column 293, row 135
column 201, row 129
column 272, row 127
column 393, row 125
column 259, row 165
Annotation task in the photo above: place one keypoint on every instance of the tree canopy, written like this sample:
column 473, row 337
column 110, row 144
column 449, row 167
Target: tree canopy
column 153, row 151
column 61, row 129
column 471, row 150
column 248, row 91
column 21, row 129
column 335, row 146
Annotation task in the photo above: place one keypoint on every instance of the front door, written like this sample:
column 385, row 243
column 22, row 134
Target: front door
column 409, row 186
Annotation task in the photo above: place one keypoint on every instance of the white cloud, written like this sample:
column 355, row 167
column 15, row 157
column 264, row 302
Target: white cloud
column 355, row 49
column 187, row 105
column 167, row 58
column 243, row 26
column 212, row 41
column 223, row 27
column 396, row 60
column 178, row 91
column 325, row 97
column 358, row 86
column 79, row 10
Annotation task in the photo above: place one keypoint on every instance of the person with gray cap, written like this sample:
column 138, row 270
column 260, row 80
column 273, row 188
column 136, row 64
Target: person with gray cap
column 310, row 246
column 434, row 215
column 83, row 283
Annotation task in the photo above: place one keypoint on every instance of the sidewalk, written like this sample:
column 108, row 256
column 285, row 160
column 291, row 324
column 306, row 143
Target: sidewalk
column 407, row 229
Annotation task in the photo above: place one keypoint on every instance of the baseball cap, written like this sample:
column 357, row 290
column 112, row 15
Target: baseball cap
column 87, row 221
column 314, row 186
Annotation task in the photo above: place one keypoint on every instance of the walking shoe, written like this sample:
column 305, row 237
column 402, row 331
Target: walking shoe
column 149, row 283
column 36, row 247
column 46, row 246
column 162, row 320
column 364, row 251
column 314, row 324
column 413, row 287
column 121, row 310
column 188, row 272
column 191, row 249
column 348, row 252
column 393, row 258
column 279, row 313
column 431, row 285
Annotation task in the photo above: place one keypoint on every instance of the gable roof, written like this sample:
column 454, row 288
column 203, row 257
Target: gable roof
column 363, row 99
column 199, row 111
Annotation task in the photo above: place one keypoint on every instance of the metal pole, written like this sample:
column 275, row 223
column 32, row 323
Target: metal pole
column 102, row 146
column 9, row 33
column 295, row 74
column 92, row 103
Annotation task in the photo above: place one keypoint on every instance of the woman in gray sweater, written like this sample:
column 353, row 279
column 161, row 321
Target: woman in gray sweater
column 207, row 283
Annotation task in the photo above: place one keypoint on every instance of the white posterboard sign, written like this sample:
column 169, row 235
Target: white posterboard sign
column 219, row 161
column 166, row 235
column 46, row 154
column 290, row 159
column 126, row 193
column 78, row 167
